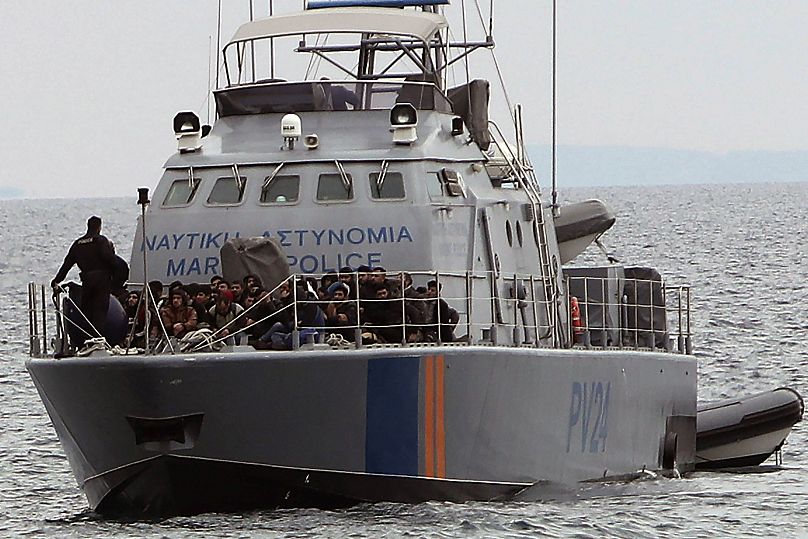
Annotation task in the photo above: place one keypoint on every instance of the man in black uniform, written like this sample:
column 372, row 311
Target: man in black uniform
column 95, row 257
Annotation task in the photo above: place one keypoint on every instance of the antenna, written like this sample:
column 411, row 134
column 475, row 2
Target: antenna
column 252, row 43
column 210, row 66
column 271, row 48
column 491, row 19
column 218, row 41
column 553, row 158
column 466, row 57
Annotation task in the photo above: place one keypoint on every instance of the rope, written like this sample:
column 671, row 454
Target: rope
column 67, row 294
column 165, row 333
column 245, row 311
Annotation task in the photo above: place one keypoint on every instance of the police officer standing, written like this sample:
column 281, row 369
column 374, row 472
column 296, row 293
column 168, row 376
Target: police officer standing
column 95, row 257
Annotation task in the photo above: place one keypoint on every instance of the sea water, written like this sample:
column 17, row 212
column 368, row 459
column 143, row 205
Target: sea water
column 741, row 247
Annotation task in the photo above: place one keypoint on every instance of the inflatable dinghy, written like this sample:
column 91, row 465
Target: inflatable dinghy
column 579, row 224
column 734, row 433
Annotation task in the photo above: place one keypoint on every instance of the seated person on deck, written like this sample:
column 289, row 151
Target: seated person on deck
column 223, row 313
column 178, row 317
column 438, row 309
column 341, row 312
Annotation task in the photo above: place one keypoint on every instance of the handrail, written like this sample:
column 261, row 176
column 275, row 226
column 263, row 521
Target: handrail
column 650, row 316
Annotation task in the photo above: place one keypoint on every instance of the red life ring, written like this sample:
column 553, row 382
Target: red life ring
column 575, row 312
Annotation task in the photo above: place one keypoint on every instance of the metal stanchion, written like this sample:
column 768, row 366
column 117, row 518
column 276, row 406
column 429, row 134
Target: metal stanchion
column 143, row 200
column 31, row 318
column 44, row 348
column 469, row 307
column 688, row 338
column 437, row 305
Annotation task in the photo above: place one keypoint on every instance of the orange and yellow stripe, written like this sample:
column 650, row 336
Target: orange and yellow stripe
column 434, row 429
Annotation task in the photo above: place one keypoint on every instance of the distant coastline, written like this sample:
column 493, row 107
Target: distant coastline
column 619, row 165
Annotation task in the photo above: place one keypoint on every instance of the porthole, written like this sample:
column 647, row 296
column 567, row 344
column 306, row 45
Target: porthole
column 509, row 233
column 519, row 237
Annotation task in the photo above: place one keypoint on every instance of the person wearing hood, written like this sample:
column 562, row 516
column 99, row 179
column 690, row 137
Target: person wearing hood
column 341, row 312
column 224, row 314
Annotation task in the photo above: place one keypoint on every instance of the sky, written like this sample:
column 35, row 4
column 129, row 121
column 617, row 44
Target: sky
column 89, row 88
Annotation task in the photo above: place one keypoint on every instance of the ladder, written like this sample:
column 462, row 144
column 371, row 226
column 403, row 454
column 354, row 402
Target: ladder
column 523, row 171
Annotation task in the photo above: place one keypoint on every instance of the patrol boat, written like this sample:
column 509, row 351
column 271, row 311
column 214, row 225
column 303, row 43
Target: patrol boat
column 553, row 376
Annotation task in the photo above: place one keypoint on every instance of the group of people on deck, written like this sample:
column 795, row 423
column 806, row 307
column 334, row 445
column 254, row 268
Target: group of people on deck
column 340, row 306
column 383, row 309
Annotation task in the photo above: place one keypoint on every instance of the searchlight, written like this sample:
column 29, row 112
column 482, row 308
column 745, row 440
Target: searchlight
column 188, row 132
column 403, row 121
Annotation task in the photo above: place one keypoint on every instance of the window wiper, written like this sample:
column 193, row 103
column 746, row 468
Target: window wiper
column 272, row 176
column 380, row 179
column 346, row 182
column 192, row 181
column 238, row 178
column 192, row 184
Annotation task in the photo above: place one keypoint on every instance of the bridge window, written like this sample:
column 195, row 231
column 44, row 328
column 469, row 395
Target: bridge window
column 281, row 190
column 181, row 193
column 228, row 190
column 391, row 185
column 335, row 187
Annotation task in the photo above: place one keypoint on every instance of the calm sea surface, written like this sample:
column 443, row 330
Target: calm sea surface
column 742, row 247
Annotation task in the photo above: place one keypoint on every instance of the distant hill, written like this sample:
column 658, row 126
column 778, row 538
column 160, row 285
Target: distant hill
column 617, row 165
column 622, row 165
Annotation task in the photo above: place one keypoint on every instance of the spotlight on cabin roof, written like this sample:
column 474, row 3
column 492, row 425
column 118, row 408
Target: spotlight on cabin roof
column 188, row 131
column 403, row 121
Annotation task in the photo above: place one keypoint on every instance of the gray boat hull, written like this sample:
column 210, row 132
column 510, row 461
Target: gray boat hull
column 187, row 434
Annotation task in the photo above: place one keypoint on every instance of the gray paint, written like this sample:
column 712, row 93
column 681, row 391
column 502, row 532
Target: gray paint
column 507, row 411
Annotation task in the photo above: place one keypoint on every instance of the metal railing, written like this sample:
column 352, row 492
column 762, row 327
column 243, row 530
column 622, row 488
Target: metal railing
column 481, row 310
column 37, row 321
column 468, row 298
column 632, row 313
